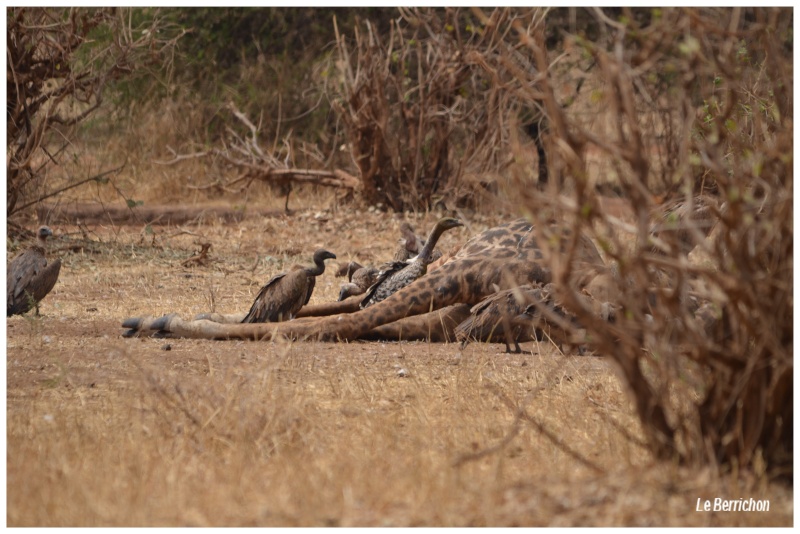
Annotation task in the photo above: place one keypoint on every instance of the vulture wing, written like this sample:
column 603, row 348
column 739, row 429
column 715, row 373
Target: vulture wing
column 387, row 270
column 280, row 299
column 29, row 278
column 262, row 305
column 312, row 281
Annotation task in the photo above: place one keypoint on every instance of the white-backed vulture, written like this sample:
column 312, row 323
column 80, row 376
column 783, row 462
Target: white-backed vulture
column 348, row 269
column 510, row 315
column 411, row 245
column 285, row 293
column 400, row 274
column 30, row 277
column 360, row 281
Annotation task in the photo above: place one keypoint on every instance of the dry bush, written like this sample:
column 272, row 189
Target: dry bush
column 691, row 109
column 60, row 63
column 422, row 106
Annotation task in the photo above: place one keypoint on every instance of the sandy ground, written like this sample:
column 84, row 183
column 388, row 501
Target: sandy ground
column 108, row 431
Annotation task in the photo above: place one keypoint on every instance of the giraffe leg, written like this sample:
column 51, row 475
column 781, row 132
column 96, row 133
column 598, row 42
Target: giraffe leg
column 436, row 326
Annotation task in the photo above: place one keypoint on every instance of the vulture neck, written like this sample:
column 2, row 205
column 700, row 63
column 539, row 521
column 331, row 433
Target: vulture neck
column 318, row 268
column 427, row 250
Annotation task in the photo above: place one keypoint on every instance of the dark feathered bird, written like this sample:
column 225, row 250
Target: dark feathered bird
column 30, row 277
column 510, row 313
column 348, row 269
column 398, row 274
column 285, row 293
column 361, row 280
column 411, row 245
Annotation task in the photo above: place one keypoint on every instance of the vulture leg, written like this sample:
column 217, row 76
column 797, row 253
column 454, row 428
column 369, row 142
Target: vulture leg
column 510, row 337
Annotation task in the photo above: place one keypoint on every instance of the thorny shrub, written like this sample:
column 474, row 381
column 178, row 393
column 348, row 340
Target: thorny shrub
column 701, row 272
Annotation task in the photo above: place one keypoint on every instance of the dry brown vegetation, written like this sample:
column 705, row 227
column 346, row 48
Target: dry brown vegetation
column 57, row 77
column 691, row 108
column 719, row 248
column 109, row 431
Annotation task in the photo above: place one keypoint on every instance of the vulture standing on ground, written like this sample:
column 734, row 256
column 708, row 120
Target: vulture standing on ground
column 361, row 280
column 399, row 274
column 283, row 296
column 30, row 277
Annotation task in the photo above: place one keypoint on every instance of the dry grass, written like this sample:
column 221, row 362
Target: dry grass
column 106, row 431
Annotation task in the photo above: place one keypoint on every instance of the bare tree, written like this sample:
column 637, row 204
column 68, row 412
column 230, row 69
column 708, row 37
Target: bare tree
column 60, row 62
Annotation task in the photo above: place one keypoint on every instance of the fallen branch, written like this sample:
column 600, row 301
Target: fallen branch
column 256, row 164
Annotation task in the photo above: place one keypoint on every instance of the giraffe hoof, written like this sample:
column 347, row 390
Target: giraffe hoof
column 134, row 323
column 162, row 323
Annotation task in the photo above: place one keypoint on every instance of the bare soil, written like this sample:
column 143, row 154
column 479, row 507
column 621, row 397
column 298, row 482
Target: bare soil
column 108, row 431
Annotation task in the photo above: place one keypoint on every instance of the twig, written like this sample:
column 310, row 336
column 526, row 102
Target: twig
column 68, row 187
column 617, row 425
column 521, row 415
column 471, row 457
column 558, row 442
column 181, row 157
